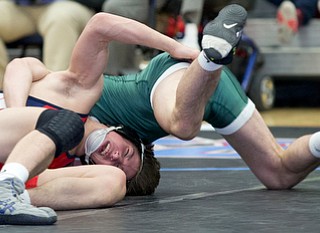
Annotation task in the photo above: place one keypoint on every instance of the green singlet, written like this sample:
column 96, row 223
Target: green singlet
column 126, row 100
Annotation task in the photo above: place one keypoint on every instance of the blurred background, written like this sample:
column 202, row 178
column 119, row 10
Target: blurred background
column 277, row 61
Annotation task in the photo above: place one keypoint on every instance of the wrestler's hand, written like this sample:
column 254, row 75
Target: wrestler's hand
column 184, row 52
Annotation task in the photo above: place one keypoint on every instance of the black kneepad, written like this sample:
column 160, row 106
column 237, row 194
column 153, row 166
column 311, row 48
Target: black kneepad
column 65, row 128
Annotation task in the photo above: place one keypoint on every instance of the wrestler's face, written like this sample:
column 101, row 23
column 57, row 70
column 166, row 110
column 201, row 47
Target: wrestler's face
column 119, row 152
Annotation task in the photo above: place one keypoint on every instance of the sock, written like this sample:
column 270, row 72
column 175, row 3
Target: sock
column 17, row 170
column 206, row 64
column 314, row 144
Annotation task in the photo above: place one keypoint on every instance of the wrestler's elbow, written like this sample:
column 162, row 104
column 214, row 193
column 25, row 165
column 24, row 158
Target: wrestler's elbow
column 104, row 25
column 99, row 24
column 113, row 189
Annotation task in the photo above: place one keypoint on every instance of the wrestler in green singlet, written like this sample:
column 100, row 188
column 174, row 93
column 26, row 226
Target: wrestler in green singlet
column 126, row 100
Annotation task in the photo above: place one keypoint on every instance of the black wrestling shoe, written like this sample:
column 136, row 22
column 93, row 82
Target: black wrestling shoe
column 13, row 211
column 222, row 35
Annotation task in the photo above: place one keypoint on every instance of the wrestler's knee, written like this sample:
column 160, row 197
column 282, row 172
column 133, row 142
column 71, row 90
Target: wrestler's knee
column 185, row 130
column 65, row 128
column 278, row 177
column 275, row 182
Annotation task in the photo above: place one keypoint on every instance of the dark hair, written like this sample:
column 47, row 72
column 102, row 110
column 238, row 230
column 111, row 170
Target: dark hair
column 146, row 182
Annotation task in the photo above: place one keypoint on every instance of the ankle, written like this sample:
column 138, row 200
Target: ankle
column 16, row 170
column 314, row 144
column 206, row 64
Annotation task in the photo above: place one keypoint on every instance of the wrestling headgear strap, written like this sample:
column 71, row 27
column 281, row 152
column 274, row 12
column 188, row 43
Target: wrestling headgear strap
column 95, row 139
column 134, row 138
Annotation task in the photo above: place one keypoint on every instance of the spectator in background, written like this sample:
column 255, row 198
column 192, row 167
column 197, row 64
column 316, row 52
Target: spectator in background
column 59, row 22
column 122, row 56
column 293, row 14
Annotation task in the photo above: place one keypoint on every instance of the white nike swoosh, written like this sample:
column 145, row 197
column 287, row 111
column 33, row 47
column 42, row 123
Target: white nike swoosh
column 228, row 26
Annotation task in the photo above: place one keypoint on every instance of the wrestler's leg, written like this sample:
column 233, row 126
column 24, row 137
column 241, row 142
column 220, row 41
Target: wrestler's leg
column 185, row 105
column 180, row 120
column 79, row 187
column 55, row 131
column 15, row 123
column 275, row 167
column 14, row 126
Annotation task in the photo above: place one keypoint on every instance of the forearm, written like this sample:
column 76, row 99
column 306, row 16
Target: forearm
column 90, row 55
column 79, row 187
column 116, row 28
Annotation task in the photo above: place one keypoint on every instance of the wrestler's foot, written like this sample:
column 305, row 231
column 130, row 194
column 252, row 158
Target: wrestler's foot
column 288, row 23
column 14, row 212
column 222, row 35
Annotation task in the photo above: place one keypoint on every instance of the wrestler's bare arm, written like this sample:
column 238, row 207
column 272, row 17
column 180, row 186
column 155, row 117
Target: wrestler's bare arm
column 79, row 187
column 90, row 55
column 19, row 75
column 89, row 58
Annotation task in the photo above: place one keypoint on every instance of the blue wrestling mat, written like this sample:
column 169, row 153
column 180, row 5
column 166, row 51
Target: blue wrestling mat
column 171, row 147
column 201, row 148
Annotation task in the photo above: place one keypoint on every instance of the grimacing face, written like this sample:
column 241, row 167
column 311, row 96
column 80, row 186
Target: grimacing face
column 117, row 151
